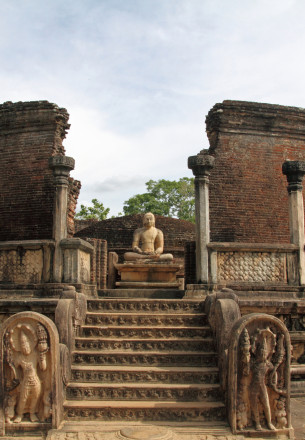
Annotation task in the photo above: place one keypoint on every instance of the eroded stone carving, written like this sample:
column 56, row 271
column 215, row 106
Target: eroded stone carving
column 259, row 374
column 148, row 242
column 156, row 306
column 151, row 414
column 26, row 350
column 30, row 384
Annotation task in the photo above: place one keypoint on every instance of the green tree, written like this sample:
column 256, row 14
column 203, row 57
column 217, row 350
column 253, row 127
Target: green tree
column 97, row 211
column 170, row 198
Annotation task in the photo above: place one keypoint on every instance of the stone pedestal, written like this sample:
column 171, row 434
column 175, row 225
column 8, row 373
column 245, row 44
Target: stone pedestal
column 148, row 275
column 201, row 166
column 294, row 171
column 76, row 260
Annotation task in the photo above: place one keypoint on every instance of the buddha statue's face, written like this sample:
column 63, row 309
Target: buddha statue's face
column 148, row 220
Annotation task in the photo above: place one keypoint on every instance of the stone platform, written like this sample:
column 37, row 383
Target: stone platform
column 140, row 431
column 148, row 275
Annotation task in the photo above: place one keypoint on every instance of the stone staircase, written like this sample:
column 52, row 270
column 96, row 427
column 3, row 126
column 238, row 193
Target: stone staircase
column 147, row 360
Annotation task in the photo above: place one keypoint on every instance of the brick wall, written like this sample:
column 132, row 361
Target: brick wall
column 82, row 224
column 248, row 195
column 30, row 133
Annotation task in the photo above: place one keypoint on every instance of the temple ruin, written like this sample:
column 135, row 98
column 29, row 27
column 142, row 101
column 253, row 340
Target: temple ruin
column 207, row 344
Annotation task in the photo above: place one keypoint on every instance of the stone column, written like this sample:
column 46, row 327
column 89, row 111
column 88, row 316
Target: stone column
column 201, row 164
column 294, row 171
column 61, row 166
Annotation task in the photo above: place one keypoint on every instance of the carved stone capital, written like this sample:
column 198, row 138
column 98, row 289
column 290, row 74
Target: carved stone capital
column 201, row 164
column 61, row 166
column 294, row 170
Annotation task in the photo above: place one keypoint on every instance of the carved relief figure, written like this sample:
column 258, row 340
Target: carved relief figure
column 148, row 242
column 26, row 350
column 261, row 367
column 280, row 413
column 261, row 393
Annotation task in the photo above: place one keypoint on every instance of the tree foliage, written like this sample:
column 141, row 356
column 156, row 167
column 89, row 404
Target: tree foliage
column 97, row 211
column 170, row 198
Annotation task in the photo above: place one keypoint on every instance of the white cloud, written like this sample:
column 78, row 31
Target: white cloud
column 107, row 162
column 138, row 77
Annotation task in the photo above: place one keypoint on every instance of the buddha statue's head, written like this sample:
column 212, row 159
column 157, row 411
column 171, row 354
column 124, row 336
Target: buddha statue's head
column 148, row 220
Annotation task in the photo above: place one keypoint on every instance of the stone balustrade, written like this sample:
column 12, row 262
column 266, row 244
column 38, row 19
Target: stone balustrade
column 233, row 263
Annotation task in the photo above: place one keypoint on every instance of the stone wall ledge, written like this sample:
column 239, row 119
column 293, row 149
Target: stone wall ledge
column 252, row 247
column 242, row 117
column 26, row 244
column 76, row 243
column 272, row 302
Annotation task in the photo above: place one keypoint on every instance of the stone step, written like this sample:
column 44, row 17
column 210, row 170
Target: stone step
column 135, row 305
column 166, row 375
column 157, row 320
column 27, row 429
column 146, row 332
column 169, row 345
column 144, row 411
column 153, row 293
column 140, row 391
column 154, row 358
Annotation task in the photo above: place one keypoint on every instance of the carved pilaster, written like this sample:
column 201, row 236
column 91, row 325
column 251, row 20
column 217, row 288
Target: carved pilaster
column 201, row 165
column 61, row 166
column 294, row 171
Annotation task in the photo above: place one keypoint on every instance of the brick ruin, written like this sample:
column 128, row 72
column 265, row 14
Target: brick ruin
column 248, row 195
column 188, row 358
column 30, row 133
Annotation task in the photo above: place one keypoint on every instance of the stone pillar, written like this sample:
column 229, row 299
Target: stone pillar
column 201, row 165
column 61, row 166
column 294, row 171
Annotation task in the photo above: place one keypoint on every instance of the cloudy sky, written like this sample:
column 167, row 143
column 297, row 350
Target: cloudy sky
column 139, row 76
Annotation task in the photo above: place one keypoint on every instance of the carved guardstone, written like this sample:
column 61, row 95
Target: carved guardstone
column 30, row 387
column 259, row 377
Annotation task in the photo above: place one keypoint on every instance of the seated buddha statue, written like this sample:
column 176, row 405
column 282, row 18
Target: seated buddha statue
column 148, row 242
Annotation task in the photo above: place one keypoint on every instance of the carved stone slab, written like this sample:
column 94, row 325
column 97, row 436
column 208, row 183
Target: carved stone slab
column 140, row 433
column 185, row 320
column 213, row 410
column 145, row 433
column 144, row 358
column 149, row 374
column 30, row 378
column 259, row 376
column 142, row 305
